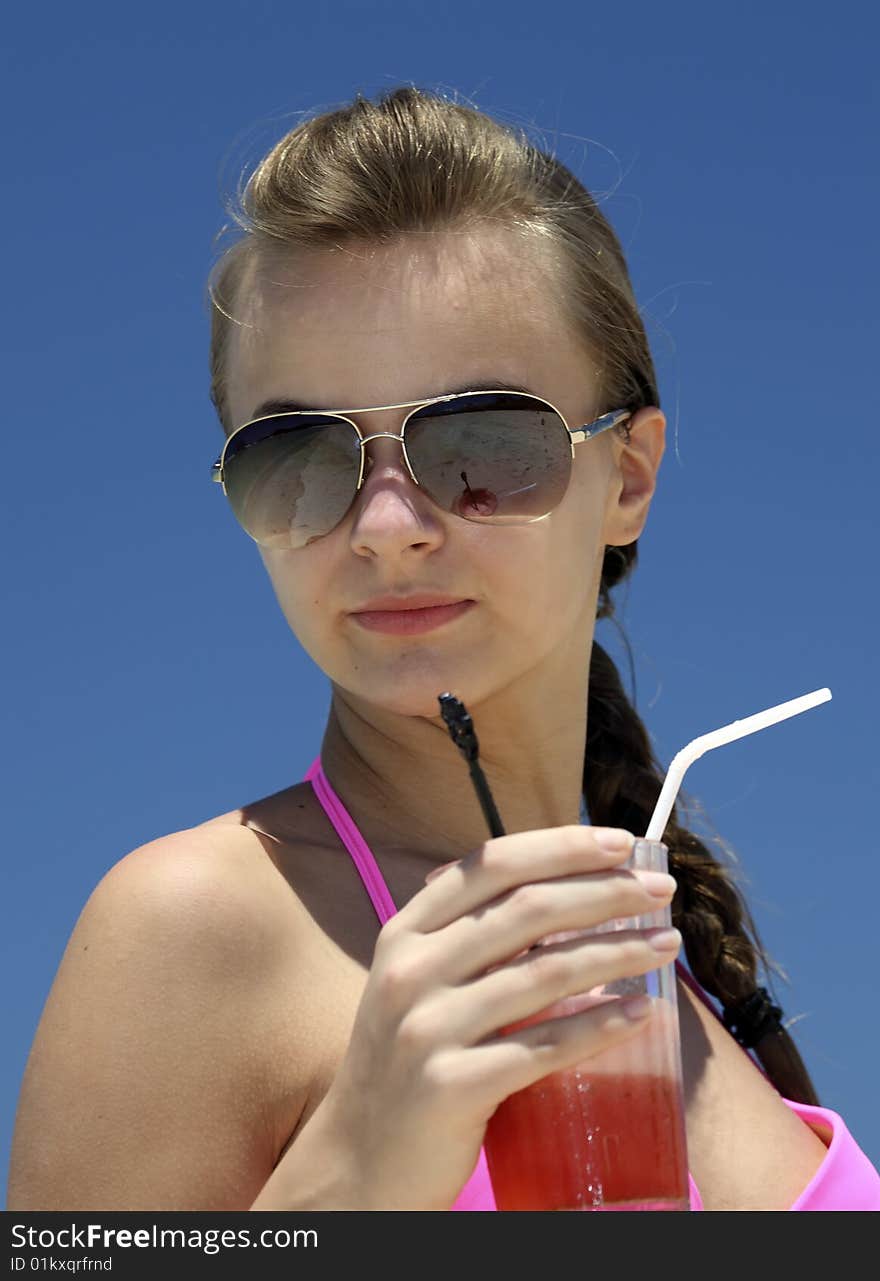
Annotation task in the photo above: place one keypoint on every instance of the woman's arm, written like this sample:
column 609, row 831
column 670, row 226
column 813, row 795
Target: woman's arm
column 144, row 1088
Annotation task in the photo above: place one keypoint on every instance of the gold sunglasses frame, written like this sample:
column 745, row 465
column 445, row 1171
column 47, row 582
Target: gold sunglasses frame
column 577, row 435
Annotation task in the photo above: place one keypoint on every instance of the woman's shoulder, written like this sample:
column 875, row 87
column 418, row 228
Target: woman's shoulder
column 210, row 902
column 246, row 885
column 218, row 872
column 254, row 889
column 161, row 1034
column 335, row 925
column 747, row 1148
column 249, row 847
column 287, row 842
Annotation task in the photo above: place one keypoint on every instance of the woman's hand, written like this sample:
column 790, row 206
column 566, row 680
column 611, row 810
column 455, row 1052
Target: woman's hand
column 427, row 1063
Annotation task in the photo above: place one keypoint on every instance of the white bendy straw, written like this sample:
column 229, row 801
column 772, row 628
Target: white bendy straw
column 717, row 737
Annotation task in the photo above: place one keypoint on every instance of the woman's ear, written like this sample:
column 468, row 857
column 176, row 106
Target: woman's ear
column 634, row 477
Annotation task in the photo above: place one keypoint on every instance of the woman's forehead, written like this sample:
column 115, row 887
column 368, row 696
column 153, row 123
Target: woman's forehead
column 448, row 277
column 397, row 319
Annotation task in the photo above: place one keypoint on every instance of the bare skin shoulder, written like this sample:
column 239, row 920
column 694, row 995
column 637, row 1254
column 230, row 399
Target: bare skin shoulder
column 286, row 847
column 747, row 1150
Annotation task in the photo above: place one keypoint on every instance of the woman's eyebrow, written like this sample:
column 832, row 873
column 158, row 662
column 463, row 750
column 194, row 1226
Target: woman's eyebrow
column 284, row 405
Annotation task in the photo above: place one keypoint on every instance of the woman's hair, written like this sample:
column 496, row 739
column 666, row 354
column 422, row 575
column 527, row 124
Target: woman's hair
column 413, row 161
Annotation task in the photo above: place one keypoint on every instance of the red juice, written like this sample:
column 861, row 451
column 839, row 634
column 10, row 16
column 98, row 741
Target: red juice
column 606, row 1134
column 573, row 1141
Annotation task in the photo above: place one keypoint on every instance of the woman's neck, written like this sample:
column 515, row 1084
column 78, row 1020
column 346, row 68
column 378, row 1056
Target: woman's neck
column 408, row 788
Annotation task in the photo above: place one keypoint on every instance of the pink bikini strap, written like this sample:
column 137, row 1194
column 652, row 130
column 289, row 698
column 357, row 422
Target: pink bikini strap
column 353, row 841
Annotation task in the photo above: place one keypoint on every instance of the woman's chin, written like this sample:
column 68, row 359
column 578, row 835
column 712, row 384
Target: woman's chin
column 413, row 694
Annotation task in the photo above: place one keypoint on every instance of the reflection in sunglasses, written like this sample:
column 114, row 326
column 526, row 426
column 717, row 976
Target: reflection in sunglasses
column 510, row 493
column 483, row 502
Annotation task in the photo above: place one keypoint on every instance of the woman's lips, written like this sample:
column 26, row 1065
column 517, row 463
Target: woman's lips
column 409, row 622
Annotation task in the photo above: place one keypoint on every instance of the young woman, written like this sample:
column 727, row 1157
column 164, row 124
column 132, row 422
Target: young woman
column 443, row 431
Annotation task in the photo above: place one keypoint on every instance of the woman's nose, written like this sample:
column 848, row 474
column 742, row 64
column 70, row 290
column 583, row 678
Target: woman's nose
column 391, row 512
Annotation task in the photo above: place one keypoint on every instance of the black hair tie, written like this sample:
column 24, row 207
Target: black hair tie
column 751, row 1019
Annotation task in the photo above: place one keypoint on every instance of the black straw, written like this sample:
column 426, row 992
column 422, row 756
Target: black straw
column 461, row 731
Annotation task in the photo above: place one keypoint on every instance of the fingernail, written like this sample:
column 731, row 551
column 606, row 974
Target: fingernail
column 637, row 1007
column 658, row 883
column 613, row 839
column 664, row 940
column 435, row 871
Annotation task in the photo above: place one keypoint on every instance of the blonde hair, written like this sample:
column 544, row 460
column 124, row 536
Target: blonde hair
column 413, row 161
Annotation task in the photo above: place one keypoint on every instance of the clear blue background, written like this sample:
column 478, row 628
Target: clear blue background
column 150, row 680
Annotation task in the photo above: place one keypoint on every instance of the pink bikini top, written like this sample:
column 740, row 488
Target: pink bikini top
column 846, row 1179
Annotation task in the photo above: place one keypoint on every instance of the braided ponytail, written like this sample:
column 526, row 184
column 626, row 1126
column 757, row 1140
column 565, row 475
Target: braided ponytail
column 622, row 782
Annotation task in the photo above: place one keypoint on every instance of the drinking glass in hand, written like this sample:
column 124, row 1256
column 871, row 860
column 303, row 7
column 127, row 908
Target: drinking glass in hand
column 608, row 1133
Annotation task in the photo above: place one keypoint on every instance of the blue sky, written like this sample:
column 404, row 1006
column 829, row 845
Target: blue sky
column 151, row 680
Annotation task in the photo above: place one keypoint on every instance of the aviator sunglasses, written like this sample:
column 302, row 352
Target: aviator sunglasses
column 492, row 457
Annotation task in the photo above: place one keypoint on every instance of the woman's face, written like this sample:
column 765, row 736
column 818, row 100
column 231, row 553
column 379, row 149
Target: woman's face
column 384, row 325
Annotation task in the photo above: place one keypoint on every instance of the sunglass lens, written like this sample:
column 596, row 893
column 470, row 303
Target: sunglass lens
column 289, row 485
column 509, row 462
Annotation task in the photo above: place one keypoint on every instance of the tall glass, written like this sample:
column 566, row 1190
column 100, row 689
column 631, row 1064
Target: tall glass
column 608, row 1133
